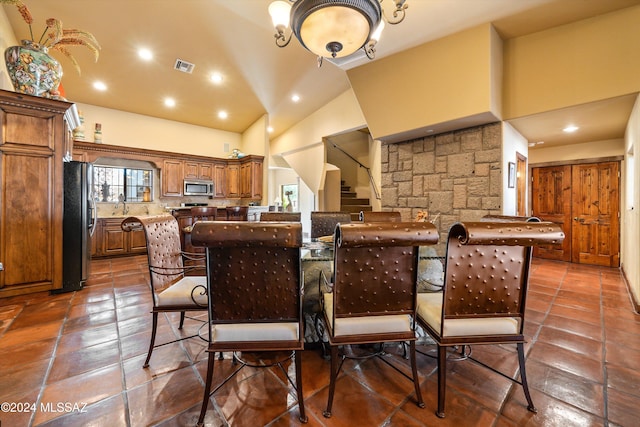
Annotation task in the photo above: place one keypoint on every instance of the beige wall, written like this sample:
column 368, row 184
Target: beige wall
column 255, row 140
column 302, row 146
column 135, row 130
column 7, row 38
column 631, row 208
column 589, row 150
column 448, row 79
column 572, row 64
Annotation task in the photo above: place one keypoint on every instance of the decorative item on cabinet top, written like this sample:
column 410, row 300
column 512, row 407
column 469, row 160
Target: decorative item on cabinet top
column 31, row 69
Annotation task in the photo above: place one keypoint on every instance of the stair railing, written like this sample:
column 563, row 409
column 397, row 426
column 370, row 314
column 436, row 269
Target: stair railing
column 373, row 184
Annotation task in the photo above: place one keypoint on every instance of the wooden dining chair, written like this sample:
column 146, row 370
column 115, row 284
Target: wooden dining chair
column 371, row 297
column 255, row 295
column 237, row 213
column 484, row 294
column 173, row 286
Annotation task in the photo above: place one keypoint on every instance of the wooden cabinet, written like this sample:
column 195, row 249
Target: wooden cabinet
column 233, row 180
column 172, row 178
column 109, row 240
column 251, row 179
column 198, row 170
column 96, row 239
column 32, row 146
column 244, row 178
column 220, row 180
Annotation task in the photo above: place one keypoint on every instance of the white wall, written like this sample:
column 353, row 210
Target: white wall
column 631, row 208
column 512, row 142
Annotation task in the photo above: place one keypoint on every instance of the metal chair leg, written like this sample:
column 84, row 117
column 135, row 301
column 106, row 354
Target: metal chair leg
column 154, row 327
column 332, row 380
column 442, row 379
column 207, row 389
column 523, row 378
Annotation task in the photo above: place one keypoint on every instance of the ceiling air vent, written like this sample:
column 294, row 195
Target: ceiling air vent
column 184, row 66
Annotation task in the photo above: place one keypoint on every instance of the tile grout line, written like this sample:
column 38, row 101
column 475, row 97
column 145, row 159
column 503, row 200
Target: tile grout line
column 605, row 394
column 52, row 360
column 124, row 393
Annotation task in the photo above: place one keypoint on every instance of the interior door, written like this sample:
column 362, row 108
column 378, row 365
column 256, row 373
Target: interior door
column 551, row 201
column 584, row 199
column 595, row 211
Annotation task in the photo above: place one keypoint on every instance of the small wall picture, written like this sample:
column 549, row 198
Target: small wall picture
column 512, row 175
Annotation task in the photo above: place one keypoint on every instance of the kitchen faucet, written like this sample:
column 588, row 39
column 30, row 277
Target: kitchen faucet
column 125, row 208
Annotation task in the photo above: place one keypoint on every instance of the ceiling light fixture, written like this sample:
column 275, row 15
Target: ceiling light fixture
column 570, row 128
column 333, row 28
column 222, row 114
column 98, row 85
column 170, row 102
column 295, row 97
column 145, row 54
column 216, row 78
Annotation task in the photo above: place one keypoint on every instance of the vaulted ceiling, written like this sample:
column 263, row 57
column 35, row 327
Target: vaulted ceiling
column 235, row 39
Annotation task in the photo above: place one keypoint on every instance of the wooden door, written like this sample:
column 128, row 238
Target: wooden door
column 584, row 200
column 595, row 209
column 551, row 201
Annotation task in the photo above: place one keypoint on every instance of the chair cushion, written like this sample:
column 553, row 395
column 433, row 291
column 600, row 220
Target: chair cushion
column 430, row 311
column 282, row 331
column 365, row 325
column 180, row 292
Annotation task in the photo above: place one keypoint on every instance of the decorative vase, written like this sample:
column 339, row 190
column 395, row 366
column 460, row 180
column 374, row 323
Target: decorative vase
column 32, row 70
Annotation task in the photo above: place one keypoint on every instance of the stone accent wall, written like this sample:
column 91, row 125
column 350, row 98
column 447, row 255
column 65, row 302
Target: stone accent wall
column 456, row 175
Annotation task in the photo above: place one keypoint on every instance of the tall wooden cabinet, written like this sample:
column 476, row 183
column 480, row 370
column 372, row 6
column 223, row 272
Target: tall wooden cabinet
column 33, row 140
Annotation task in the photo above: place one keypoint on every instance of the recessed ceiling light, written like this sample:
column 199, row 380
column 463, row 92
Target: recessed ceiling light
column 145, row 54
column 216, row 78
column 295, row 97
column 98, row 85
column 269, row 129
column 170, row 102
column 222, row 114
column 570, row 128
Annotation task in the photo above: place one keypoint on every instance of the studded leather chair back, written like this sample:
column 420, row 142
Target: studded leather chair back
column 370, row 216
column 280, row 216
column 375, row 267
column 487, row 267
column 324, row 223
column 163, row 248
column 253, row 270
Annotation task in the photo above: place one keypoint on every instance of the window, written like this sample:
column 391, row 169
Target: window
column 114, row 184
column 289, row 195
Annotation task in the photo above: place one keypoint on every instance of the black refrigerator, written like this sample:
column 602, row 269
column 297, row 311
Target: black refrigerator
column 78, row 223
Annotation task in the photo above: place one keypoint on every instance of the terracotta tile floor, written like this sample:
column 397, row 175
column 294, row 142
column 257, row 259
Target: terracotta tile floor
column 85, row 349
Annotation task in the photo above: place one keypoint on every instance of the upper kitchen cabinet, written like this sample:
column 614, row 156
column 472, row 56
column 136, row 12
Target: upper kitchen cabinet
column 172, row 177
column 233, row 180
column 33, row 140
column 220, row 179
column 198, row 170
column 251, row 178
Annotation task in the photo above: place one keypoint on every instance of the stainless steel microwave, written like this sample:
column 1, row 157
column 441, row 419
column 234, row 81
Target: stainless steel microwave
column 194, row 187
